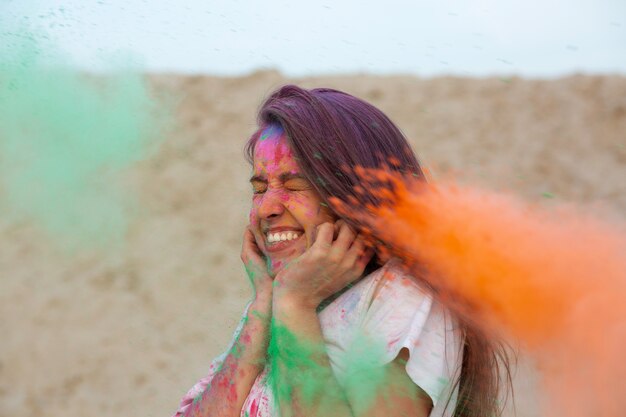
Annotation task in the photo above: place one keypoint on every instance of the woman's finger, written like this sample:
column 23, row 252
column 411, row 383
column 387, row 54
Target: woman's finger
column 248, row 239
column 356, row 250
column 337, row 227
column 344, row 239
column 250, row 247
column 365, row 258
column 323, row 236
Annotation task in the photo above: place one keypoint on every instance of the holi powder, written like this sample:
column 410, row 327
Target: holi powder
column 299, row 377
column 66, row 140
column 553, row 279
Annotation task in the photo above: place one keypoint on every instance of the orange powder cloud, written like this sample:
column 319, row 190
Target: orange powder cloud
column 554, row 279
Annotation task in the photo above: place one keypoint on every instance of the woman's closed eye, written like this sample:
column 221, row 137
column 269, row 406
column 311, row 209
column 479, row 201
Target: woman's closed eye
column 258, row 187
column 297, row 184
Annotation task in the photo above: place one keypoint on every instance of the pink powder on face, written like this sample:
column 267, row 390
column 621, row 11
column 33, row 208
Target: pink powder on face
column 272, row 151
column 253, row 220
column 281, row 199
column 284, row 197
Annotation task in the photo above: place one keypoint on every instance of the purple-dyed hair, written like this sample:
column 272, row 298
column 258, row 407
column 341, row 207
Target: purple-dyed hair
column 330, row 133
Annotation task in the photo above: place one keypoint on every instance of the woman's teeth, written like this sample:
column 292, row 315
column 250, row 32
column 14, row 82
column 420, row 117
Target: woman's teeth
column 280, row 237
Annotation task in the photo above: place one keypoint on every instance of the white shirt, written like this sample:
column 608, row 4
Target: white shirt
column 391, row 311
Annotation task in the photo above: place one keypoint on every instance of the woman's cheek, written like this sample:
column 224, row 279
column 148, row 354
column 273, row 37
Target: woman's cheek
column 252, row 218
column 301, row 206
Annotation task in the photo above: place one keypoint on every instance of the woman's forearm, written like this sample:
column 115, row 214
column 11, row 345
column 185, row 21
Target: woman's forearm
column 225, row 395
column 309, row 386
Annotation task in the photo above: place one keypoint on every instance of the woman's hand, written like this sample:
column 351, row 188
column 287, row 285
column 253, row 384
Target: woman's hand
column 325, row 268
column 255, row 265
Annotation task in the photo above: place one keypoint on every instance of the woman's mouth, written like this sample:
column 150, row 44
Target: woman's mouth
column 279, row 240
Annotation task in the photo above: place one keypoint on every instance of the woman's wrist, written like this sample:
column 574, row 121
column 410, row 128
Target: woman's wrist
column 286, row 303
column 261, row 307
column 263, row 291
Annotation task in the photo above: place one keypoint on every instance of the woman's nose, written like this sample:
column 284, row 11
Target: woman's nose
column 271, row 204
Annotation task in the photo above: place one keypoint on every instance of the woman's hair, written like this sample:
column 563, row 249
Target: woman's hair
column 331, row 133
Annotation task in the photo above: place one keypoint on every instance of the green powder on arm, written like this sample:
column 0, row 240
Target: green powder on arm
column 296, row 368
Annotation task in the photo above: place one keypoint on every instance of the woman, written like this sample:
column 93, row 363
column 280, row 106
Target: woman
column 326, row 302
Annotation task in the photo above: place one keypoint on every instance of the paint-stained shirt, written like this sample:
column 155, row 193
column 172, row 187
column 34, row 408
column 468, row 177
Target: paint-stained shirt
column 392, row 309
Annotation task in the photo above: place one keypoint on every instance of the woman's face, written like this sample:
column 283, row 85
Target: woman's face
column 286, row 209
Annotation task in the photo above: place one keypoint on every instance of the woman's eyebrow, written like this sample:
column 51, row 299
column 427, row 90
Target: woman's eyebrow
column 286, row 176
column 257, row 178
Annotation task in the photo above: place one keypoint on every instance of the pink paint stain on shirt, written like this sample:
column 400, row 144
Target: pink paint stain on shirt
column 391, row 343
column 254, row 409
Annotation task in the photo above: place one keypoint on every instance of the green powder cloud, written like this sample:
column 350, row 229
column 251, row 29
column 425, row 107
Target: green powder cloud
column 66, row 139
column 297, row 374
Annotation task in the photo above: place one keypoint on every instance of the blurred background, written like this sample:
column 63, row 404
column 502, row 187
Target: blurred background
column 524, row 97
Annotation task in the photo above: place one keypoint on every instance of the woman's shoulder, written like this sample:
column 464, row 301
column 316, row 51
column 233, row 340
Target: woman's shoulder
column 394, row 282
column 388, row 292
column 404, row 315
column 393, row 310
column 397, row 298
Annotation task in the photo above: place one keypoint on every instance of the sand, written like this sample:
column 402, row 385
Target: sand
column 101, row 334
